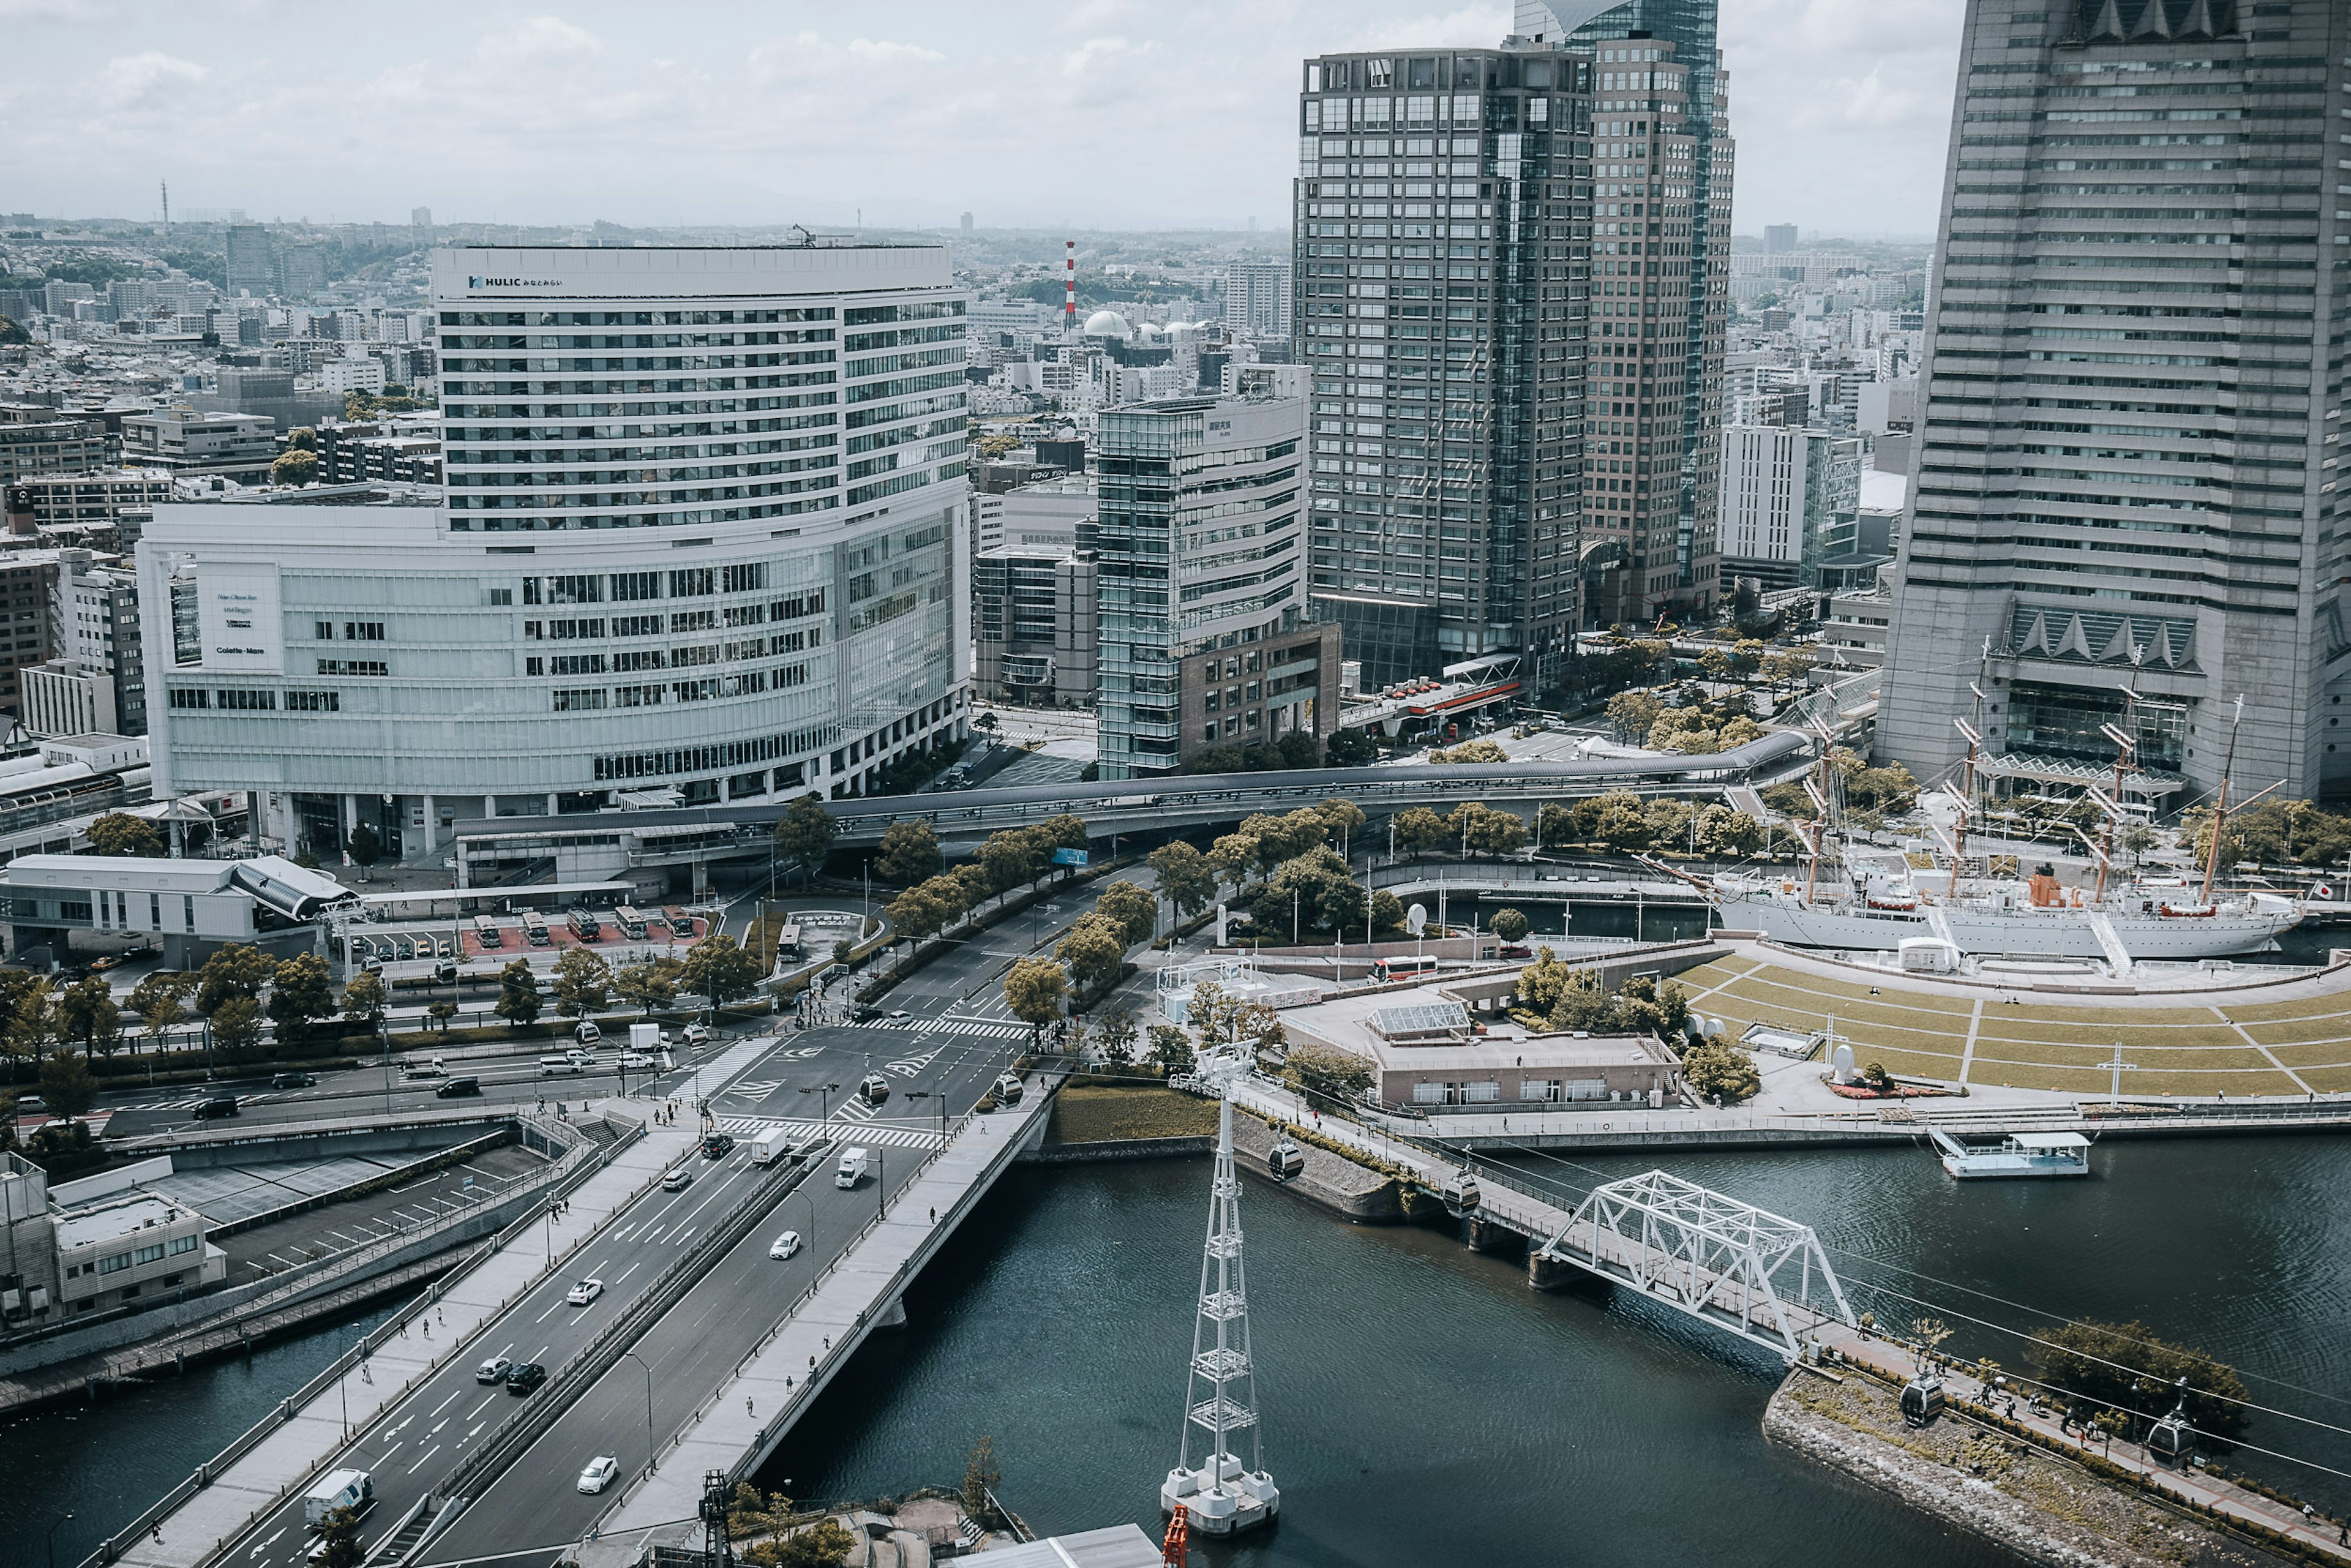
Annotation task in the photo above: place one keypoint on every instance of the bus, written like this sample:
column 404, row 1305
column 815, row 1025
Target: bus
column 1402, row 968
column 681, row 924
column 585, row 925
column 788, row 943
column 534, row 928
column 487, row 933
column 632, row 921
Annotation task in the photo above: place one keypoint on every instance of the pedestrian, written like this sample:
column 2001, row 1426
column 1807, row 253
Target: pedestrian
column 934, row 1217
column 428, row 1328
column 747, row 1405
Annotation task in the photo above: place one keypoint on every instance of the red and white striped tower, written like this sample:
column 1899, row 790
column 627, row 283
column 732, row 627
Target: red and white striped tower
column 1069, row 288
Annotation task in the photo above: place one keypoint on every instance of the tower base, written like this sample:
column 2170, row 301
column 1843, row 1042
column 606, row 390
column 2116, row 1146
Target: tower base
column 1244, row 1501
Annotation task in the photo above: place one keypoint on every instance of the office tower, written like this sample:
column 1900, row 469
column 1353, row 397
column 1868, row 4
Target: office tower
column 1258, row 299
column 1779, row 239
column 252, row 261
column 1687, row 116
column 420, row 217
column 967, row 223
column 301, row 271
column 1440, row 247
column 1205, row 642
column 2126, row 478
column 1786, row 493
column 705, row 538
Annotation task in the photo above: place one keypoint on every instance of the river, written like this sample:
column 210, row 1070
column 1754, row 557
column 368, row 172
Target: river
column 1420, row 1403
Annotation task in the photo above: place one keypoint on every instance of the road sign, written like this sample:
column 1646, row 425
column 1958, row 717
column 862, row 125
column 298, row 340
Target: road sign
column 1069, row 857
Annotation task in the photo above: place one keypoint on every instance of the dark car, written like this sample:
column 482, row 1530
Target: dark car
column 456, row 1086
column 864, row 1012
column 293, row 1081
column 218, row 1105
column 525, row 1377
column 717, row 1146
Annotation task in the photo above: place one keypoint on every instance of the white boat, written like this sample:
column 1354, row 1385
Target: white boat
column 2018, row 1154
column 2141, row 922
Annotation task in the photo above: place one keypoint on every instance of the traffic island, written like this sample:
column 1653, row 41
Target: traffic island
column 2042, row 1506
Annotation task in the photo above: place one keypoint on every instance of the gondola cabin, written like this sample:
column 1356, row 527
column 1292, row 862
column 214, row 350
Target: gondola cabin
column 1286, row 1160
column 1460, row 1192
column 2171, row 1440
column 1922, row 1401
column 874, row 1090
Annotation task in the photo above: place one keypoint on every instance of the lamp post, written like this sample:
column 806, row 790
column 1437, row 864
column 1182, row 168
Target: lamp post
column 824, row 1093
column 632, row 1355
column 53, row 1539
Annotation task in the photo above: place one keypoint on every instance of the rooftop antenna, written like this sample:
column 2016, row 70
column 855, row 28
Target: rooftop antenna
column 1217, row 1497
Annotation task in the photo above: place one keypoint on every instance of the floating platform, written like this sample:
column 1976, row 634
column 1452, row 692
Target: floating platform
column 2018, row 1154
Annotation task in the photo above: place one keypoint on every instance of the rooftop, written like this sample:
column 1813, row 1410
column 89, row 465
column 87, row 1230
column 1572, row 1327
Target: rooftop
column 115, row 1220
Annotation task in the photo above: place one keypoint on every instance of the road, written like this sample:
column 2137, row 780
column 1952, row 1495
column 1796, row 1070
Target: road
column 956, row 1039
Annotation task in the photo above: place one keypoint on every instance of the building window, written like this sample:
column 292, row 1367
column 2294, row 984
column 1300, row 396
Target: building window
column 363, row 631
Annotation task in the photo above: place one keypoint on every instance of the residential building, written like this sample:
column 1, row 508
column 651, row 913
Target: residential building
column 1204, row 638
column 1788, row 497
column 105, row 495
column 301, row 271
column 252, row 261
column 1438, row 251
column 745, row 583
column 268, row 391
column 2125, row 510
column 96, row 682
column 1036, row 614
column 35, row 441
column 1258, row 299
column 1779, row 239
column 26, row 633
column 339, row 376
column 187, row 440
column 403, row 448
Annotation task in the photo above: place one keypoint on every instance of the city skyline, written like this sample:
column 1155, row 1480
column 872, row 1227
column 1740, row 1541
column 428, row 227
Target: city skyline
column 511, row 116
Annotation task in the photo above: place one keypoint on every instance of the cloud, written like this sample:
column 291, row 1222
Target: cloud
column 540, row 38
column 1470, row 28
column 135, row 79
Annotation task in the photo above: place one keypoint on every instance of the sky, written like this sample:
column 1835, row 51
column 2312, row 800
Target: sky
column 1113, row 114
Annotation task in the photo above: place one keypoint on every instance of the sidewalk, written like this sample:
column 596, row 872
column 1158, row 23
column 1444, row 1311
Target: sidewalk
column 289, row 1457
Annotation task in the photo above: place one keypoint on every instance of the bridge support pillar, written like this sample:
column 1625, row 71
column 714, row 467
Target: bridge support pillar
column 1485, row 1236
column 894, row 1316
column 1546, row 1273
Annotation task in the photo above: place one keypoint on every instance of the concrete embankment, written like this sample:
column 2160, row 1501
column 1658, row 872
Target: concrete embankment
column 2043, row 1508
column 1354, row 1192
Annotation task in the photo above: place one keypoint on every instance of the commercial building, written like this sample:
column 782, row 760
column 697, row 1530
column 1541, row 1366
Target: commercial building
column 1779, row 239
column 27, row 634
column 725, row 553
column 106, row 496
column 1204, row 637
column 2125, row 482
column 1044, row 514
column 1789, row 498
column 36, row 441
column 252, row 261
column 96, row 681
column 268, row 391
column 191, row 907
column 1035, row 612
column 1258, row 299
column 186, row 441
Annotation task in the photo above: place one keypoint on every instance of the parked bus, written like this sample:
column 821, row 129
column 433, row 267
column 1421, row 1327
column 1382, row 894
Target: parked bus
column 487, row 933
column 534, row 928
column 681, row 924
column 632, row 921
column 1400, row 969
column 585, row 925
column 788, row 943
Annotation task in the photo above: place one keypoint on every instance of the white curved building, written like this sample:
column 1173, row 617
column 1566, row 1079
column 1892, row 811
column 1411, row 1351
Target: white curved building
column 704, row 531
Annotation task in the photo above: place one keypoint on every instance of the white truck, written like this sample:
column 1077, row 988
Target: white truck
column 852, row 1170
column 769, row 1146
column 353, row 1490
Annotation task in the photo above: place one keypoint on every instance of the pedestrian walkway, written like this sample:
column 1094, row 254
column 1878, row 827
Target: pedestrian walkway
column 288, row 1458
column 798, row 1130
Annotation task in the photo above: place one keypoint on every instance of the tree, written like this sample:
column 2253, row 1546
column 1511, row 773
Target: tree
column 339, row 1533
column 517, row 1000
column 648, row 983
column 120, row 833
column 915, row 915
column 1653, row 1007
column 441, row 1011
column 804, row 835
column 302, row 994
column 1420, row 829
column 1543, row 983
column 980, row 1480
column 302, row 438
column 1093, row 950
column 85, row 1012
column 1342, row 820
column 1509, row 924
column 1632, row 715
column 1715, row 664
column 237, row 972
column 1388, row 910
column 161, row 1000
column 365, row 997
column 583, row 982
column 1134, row 912
column 823, row 1545
column 1350, row 748
column 1471, row 751
column 26, row 1017
column 1185, row 878
column 1716, row 1067
column 294, row 467
column 1034, row 989
column 236, row 1026
column 1214, row 1016
column 1118, row 1030
column 66, row 1087
column 721, row 968
column 2126, row 1365
column 362, row 845
column 1298, row 749
column 2136, row 839
column 1319, row 887
column 1324, row 1070
column 1726, row 834
column 1485, row 830
column 909, row 852
column 1171, row 1048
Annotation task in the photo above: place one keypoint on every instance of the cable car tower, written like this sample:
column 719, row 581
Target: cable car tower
column 1217, row 1496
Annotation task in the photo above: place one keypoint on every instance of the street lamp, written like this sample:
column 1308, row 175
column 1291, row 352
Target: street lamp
column 53, row 1540
column 632, row 1355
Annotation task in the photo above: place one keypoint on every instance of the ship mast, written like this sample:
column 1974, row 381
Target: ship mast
column 1971, row 728
column 2220, row 810
column 2125, row 753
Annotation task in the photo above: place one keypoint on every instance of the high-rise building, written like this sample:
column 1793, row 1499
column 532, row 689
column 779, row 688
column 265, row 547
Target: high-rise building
column 420, row 217
column 1786, row 494
column 1205, row 642
column 1258, row 299
column 252, row 261
column 1560, row 418
column 2125, row 510
column 1677, row 123
column 301, row 271
column 705, row 533
column 96, row 684
column 1779, row 239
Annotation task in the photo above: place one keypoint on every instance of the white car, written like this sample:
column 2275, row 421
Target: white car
column 900, row 1016
column 599, row 1473
column 585, row 1292
column 494, row 1370
column 785, row 1245
column 636, row 1058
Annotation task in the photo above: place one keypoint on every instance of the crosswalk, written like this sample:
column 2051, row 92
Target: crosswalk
column 869, row 1133
column 191, row 1101
column 994, row 1029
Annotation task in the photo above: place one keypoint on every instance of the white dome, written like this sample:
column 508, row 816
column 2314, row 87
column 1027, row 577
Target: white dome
column 1107, row 324
column 1150, row 332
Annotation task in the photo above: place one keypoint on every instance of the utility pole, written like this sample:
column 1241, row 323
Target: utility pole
column 2115, row 1094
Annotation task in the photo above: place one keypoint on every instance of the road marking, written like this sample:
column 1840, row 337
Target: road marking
column 551, row 1311
column 388, row 1453
column 484, row 1403
column 507, row 1348
column 265, row 1545
column 436, row 1429
column 630, row 1270
column 542, row 1351
column 446, row 1403
column 421, row 1458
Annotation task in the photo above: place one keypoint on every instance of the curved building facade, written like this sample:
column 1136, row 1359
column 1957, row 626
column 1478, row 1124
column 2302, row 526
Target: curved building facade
column 703, row 533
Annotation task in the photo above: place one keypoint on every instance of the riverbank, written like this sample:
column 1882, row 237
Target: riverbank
column 2043, row 1508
